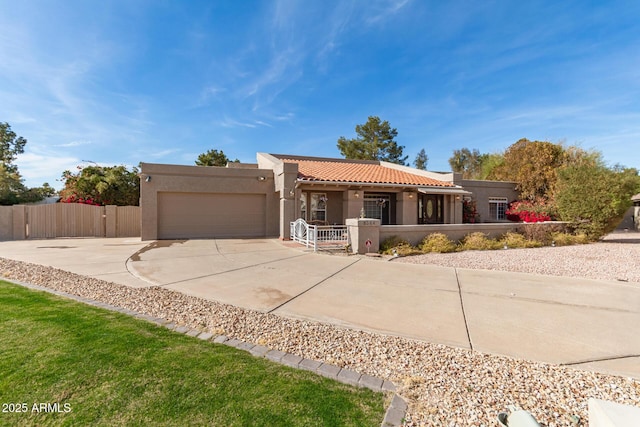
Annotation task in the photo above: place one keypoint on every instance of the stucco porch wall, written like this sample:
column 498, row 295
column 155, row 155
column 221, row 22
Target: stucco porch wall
column 415, row 233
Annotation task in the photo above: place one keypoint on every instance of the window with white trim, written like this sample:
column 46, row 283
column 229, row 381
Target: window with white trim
column 497, row 208
column 318, row 207
column 377, row 206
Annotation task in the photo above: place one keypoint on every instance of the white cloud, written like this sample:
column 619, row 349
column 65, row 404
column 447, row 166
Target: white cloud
column 38, row 168
column 73, row 144
column 227, row 122
column 384, row 9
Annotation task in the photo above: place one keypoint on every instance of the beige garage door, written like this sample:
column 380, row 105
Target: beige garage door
column 205, row 215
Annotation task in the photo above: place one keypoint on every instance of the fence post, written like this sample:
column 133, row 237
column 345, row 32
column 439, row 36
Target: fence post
column 111, row 223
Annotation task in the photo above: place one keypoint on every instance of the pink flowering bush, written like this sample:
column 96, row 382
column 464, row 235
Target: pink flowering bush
column 75, row 199
column 526, row 211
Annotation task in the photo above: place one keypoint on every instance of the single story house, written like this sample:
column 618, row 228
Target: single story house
column 261, row 199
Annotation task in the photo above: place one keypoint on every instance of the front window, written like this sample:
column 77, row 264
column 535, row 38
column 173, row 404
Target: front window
column 377, row 206
column 497, row 208
column 318, row 207
column 303, row 206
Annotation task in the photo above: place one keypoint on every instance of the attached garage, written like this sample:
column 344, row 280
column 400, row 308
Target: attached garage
column 211, row 215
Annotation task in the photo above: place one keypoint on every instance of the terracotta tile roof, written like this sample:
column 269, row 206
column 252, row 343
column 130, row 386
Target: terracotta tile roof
column 359, row 172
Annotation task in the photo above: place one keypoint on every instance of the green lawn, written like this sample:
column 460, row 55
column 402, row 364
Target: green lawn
column 105, row 368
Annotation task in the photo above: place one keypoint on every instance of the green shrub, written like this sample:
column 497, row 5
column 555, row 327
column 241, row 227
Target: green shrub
column 401, row 247
column 566, row 239
column 437, row 242
column 594, row 197
column 478, row 242
column 517, row 240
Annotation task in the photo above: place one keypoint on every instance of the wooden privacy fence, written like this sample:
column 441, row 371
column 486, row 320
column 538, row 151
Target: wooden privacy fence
column 68, row 220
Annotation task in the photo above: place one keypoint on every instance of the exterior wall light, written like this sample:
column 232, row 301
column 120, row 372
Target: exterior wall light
column 148, row 178
column 356, row 195
column 262, row 178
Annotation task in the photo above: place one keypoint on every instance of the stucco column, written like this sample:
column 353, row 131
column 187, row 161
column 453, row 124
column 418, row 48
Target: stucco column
column 457, row 202
column 453, row 214
column 353, row 202
column 363, row 231
column 407, row 208
column 287, row 215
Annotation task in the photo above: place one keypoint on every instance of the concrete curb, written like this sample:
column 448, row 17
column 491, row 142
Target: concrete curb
column 394, row 415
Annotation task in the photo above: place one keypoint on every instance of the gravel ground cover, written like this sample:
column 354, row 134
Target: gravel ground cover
column 444, row 386
column 614, row 258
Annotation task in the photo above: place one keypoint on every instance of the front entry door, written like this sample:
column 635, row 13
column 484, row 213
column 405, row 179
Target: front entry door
column 431, row 209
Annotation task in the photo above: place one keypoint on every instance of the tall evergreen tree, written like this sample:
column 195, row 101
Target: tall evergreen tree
column 421, row 160
column 375, row 141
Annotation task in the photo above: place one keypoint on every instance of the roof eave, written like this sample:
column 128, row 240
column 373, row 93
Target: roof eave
column 370, row 184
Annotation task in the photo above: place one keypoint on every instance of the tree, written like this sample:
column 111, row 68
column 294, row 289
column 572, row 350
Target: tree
column 375, row 141
column 214, row 158
column 488, row 163
column 98, row 185
column 12, row 188
column 468, row 162
column 421, row 160
column 593, row 197
column 533, row 166
column 10, row 145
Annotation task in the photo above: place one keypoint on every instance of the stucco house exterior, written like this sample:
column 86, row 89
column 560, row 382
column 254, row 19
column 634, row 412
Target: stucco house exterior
column 261, row 199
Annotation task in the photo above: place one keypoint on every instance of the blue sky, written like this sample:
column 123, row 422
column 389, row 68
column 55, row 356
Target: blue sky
column 123, row 82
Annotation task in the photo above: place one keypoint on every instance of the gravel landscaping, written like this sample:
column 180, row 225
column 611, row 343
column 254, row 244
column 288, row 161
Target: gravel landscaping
column 444, row 386
column 614, row 258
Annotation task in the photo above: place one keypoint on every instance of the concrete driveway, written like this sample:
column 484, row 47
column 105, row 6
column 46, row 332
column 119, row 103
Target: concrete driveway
column 585, row 323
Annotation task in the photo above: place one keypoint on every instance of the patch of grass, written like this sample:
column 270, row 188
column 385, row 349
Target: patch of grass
column 110, row 369
column 478, row 242
column 437, row 242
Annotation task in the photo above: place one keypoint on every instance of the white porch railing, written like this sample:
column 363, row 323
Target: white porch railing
column 319, row 236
